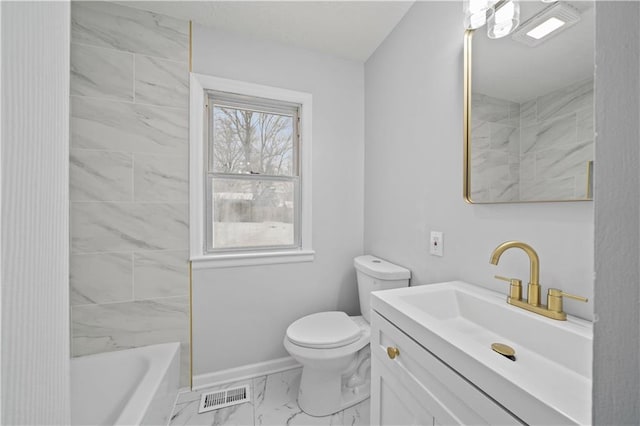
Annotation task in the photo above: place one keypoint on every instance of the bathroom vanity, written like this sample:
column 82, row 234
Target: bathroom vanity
column 432, row 362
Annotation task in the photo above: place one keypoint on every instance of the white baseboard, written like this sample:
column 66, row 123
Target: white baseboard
column 202, row 381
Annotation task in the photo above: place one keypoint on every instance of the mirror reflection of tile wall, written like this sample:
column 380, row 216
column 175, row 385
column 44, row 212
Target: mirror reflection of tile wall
column 128, row 175
column 535, row 150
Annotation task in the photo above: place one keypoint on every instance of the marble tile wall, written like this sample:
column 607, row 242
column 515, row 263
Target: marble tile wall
column 536, row 150
column 557, row 137
column 495, row 145
column 128, row 179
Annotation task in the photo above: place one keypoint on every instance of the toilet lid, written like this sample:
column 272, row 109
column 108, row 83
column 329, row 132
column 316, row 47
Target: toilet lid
column 324, row 330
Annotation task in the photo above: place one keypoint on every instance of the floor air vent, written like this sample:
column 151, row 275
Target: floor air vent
column 224, row 398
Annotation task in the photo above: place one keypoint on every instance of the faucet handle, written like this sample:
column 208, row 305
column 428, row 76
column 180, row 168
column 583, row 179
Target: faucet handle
column 554, row 299
column 515, row 287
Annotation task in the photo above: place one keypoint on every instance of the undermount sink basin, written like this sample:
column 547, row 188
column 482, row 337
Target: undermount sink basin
column 550, row 380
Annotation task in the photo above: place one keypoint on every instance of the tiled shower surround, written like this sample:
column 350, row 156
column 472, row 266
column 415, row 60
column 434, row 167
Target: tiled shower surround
column 128, row 173
column 534, row 150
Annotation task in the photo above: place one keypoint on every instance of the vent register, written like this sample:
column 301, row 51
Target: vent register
column 224, row 398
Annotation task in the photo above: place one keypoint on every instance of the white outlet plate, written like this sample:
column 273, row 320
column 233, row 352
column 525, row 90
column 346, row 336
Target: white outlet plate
column 436, row 243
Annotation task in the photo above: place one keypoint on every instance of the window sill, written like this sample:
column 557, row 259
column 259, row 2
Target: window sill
column 251, row 259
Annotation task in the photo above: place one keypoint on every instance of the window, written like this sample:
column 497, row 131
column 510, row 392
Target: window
column 252, row 179
column 250, row 173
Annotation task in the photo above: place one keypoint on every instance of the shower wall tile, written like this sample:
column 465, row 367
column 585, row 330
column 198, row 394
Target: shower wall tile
column 480, row 128
column 100, row 176
column 101, row 278
column 566, row 100
column 548, row 189
column 101, row 73
column 129, row 169
column 162, row 82
column 117, row 126
column 115, row 326
column 528, row 167
column 501, row 135
column 123, row 28
column 161, row 178
column 161, row 274
column 505, row 191
column 584, row 119
column 564, row 160
column 99, row 227
column 488, row 108
column 550, row 133
column 514, row 114
column 528, row 113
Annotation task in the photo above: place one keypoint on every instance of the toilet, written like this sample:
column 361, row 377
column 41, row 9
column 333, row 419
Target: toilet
column 333, row 347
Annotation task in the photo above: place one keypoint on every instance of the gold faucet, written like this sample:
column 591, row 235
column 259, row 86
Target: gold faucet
column 554, row 296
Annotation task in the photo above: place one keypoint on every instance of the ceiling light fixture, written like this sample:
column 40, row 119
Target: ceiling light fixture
column 546, row 24
column 503, row 19
column 502, row 16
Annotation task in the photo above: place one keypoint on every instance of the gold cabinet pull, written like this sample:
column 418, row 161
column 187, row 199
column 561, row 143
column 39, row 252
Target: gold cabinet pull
column 393, row 352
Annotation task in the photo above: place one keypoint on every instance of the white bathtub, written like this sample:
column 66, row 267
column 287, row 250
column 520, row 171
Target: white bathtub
column 129, row 387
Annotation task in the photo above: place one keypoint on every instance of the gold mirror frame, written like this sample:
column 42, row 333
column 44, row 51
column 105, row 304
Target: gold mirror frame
column 466, row 113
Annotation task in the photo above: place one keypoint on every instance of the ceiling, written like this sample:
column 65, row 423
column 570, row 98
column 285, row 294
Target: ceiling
column 347, row 29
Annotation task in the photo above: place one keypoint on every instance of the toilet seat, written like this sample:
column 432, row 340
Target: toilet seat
column 324, row 330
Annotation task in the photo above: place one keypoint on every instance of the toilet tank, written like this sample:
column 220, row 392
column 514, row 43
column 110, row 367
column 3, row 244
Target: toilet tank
column 377, row 274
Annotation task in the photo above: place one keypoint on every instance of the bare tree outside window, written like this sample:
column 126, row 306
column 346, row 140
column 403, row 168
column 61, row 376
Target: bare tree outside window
column 254, row 177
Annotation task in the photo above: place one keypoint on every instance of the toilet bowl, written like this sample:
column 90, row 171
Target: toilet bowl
column 333, row 347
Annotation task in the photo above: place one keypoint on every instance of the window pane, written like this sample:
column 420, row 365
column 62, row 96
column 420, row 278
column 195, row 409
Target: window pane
column 247, row 142
column 253, row 213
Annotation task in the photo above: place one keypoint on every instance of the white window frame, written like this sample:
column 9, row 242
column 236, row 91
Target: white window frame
column 199, row 84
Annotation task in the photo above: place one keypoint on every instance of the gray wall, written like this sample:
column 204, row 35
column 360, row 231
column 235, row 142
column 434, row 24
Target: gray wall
column 413, row 174
column 35, row 208
column 240, row 314
column 128, row 179
column 616, row 374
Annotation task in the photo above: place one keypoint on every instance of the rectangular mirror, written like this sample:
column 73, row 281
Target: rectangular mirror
column 529, row 109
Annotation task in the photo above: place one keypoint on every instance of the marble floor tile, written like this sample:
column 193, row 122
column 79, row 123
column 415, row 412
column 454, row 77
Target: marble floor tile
column 274, row 403
column 276, row 396
column 186, row 413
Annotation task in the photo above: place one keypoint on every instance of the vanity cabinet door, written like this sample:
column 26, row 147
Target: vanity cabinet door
column 437, row 389
column 391, row 402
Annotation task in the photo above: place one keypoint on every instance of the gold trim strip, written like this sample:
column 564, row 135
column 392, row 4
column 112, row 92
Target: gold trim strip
column 590, row 180
column 466, row 117
column 190, row 325
column 190, row 46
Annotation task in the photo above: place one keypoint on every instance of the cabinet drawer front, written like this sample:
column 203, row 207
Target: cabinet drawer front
column 444, row 393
